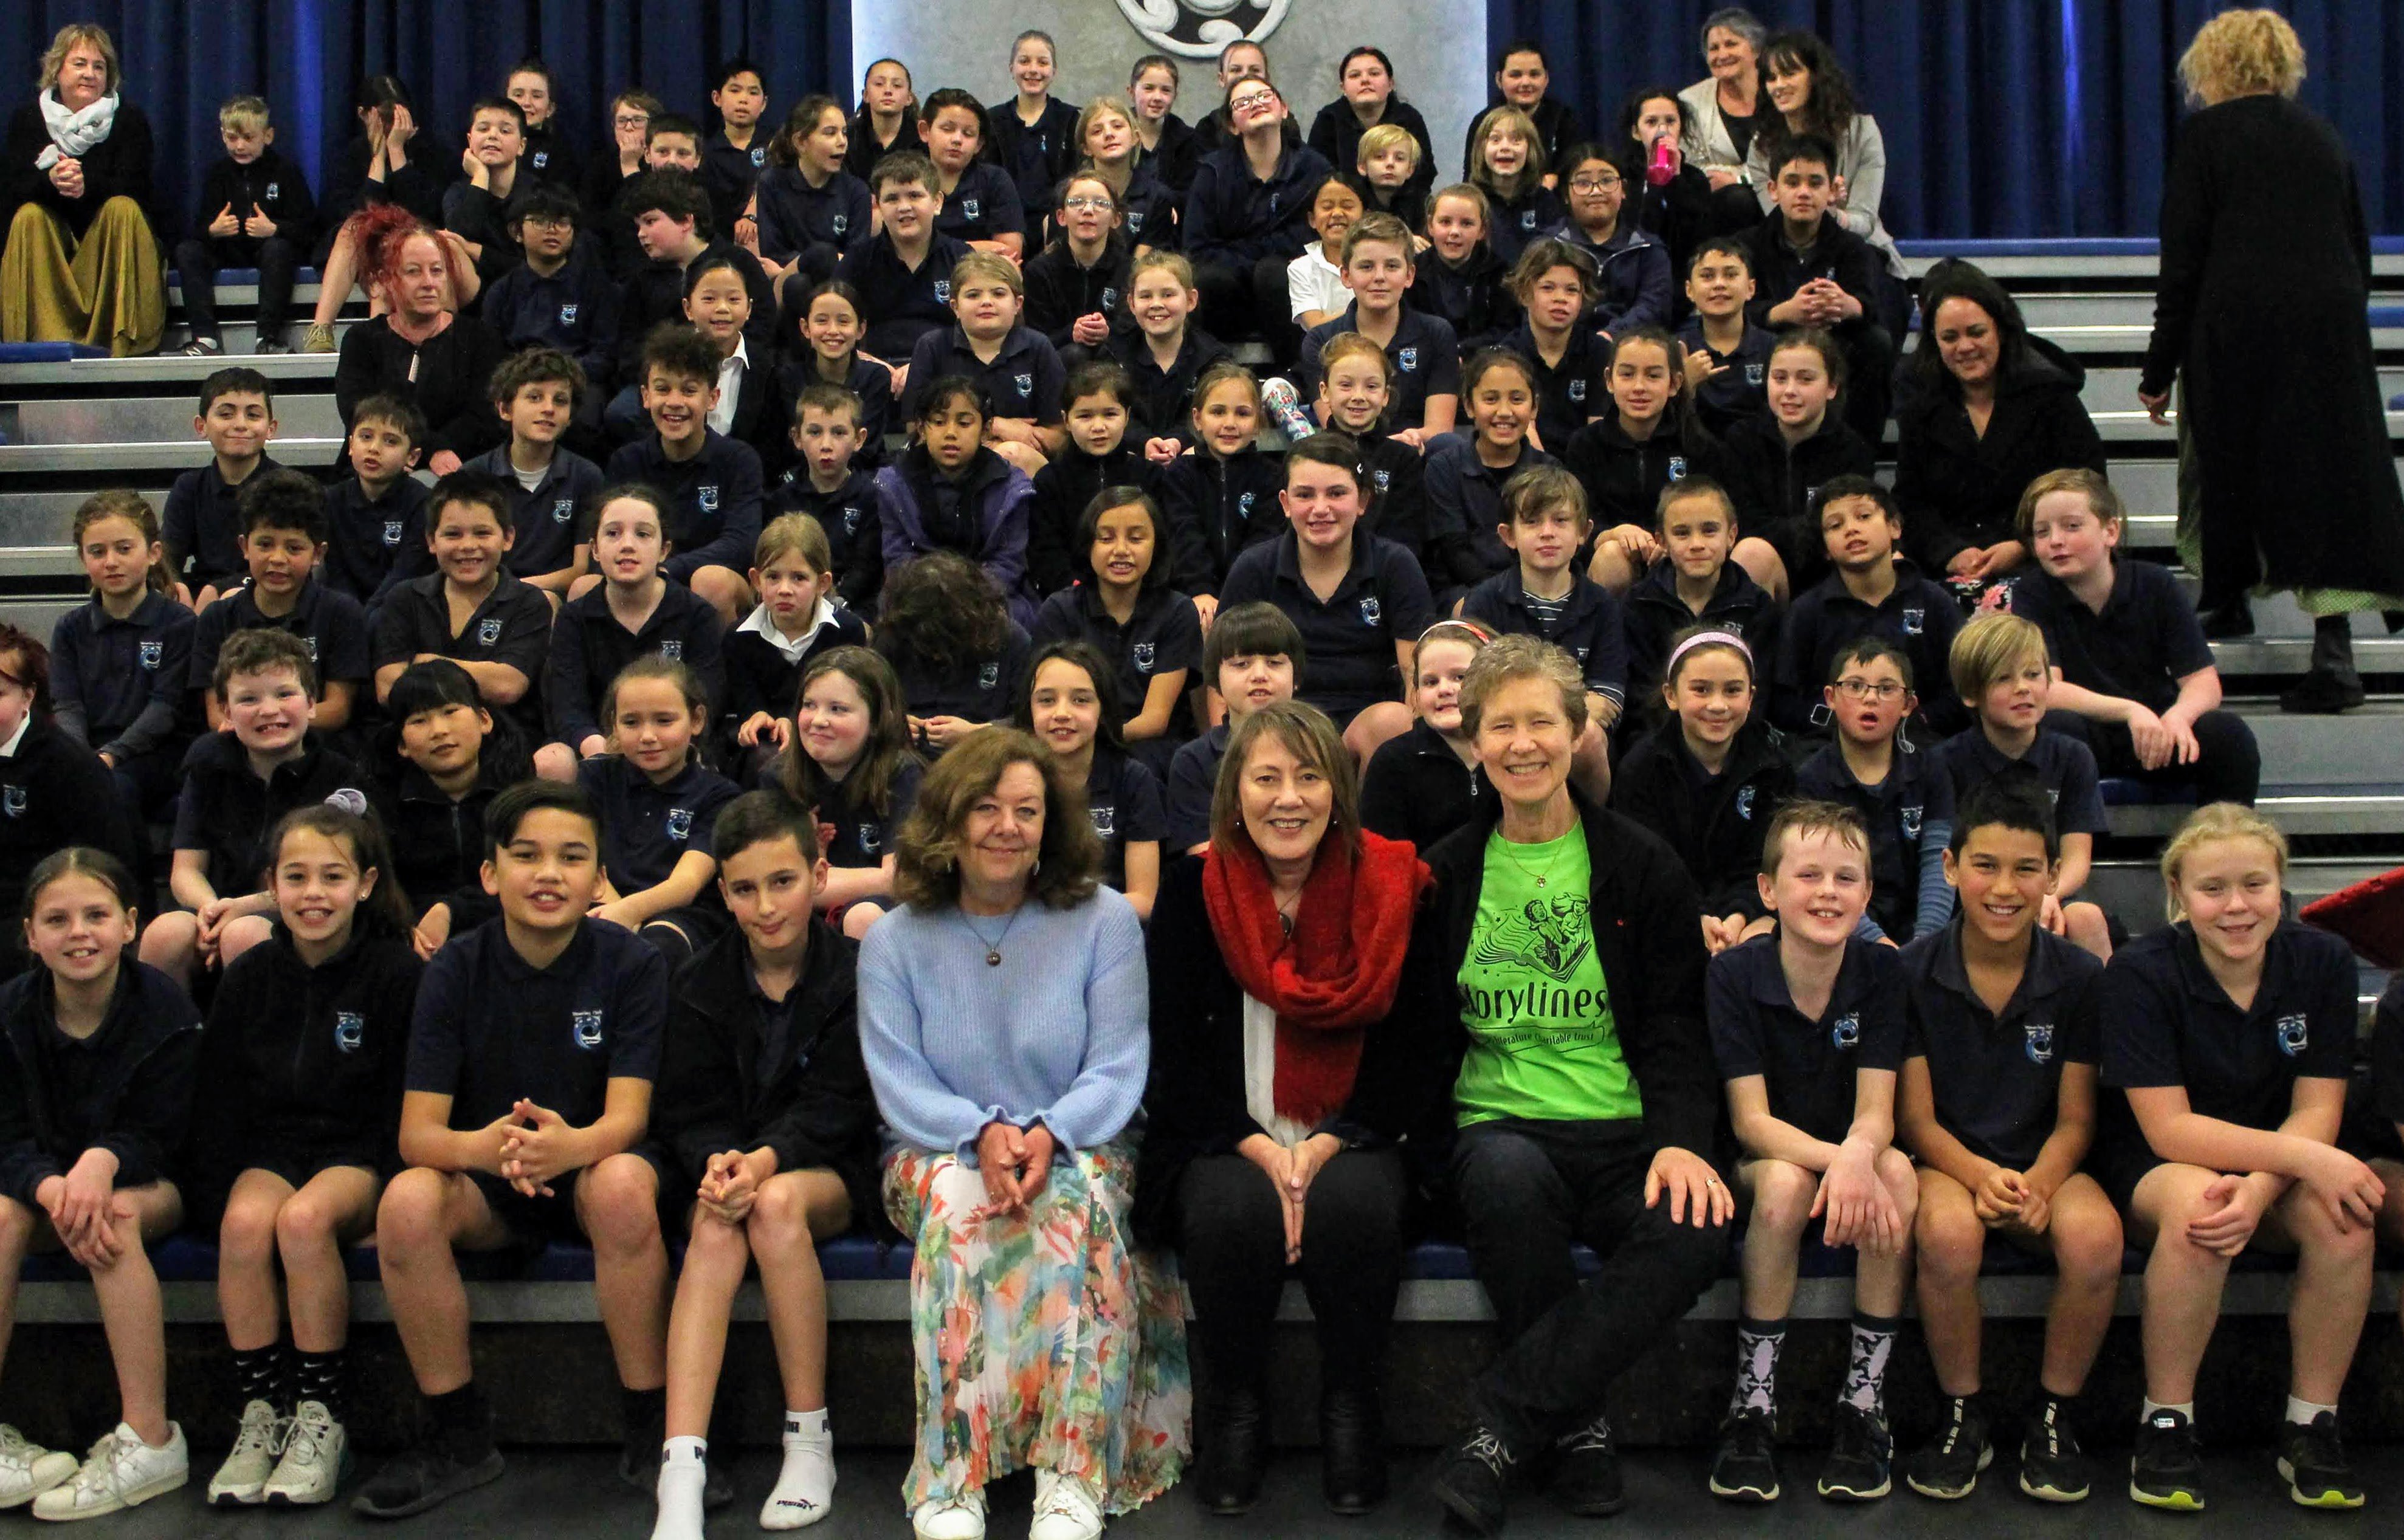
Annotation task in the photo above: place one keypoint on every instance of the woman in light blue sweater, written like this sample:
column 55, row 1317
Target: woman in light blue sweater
column 1003, row 1012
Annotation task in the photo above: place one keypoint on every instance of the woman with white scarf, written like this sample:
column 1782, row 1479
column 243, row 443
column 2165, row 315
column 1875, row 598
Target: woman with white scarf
column 82, row 264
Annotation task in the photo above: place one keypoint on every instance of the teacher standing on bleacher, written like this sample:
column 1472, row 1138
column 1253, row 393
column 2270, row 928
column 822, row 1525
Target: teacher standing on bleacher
column 2261, row 308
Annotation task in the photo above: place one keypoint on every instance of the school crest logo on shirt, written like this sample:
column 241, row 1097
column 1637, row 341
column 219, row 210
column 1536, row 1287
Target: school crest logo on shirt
column 2037, row 1041
column 1025, row 384
column 840, row 224
column 1109, row 298
column 13, row 801
column 1199, row 29
column 272, row 194
column 488, row 630
column 1578, row 390
column 1915, row 623
column 350, row 1030
column 1844, row 1032
column 1912, row 817
column 869, row 838
column 1677, row 467
column 672, row 648
column 1144, row 654
column 1744, row 803
column 562, row 510
column 706, row 498
column 851, row 519
column 1406, row 359
column 759, row 154
column 970, row 209
column 1106, row 819
column 1244, row 506
column 1754, row 375
column 153, row 654
column 311, row 643
column 1527, row 219
column 679, row 822
column 1371, row 612
column 2293, row 1038
column 587, row 1027
column 541, row 159
column 1381, row 480
column 989, row 675
column 392, row 532
column 567, row 315
column 942, row 292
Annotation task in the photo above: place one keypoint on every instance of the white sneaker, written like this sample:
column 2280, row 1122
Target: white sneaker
column 27, row 1470
column 960, row 1518
column 317, row 1456
column 119, row 1472
column 1066, row 1508
column 242, row 1478
column 805, row 1490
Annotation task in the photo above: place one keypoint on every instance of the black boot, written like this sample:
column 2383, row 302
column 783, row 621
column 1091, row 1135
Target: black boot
column 2227, row 622
column 1232, row 1432
column 1352, row 1450
column 2333, row 685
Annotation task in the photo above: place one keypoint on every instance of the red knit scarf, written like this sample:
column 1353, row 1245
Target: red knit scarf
column 1338, row 970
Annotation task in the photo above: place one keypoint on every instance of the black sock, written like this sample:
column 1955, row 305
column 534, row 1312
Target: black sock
column 318, row 1376
column 258, row 1375
column 462, row 1418
column 645, row 1411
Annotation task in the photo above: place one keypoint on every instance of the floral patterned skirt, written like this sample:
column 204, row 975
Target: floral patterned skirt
column 1043, row 1340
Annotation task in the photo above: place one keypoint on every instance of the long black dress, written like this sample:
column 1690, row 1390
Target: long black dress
column 2265, row 280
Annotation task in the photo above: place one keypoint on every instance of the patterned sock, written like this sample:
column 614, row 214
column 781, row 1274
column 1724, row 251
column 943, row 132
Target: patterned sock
column 1865, row 1365
column 1757, row 1343
column 258, row 1375
column 319, row 1378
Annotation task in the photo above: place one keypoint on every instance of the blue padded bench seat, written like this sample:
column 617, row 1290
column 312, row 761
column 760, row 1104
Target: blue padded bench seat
column 2127, row 791
column 48, row 353
column 228, row 277
column 2076, row 246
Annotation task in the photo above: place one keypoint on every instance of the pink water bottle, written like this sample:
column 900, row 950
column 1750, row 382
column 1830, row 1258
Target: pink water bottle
column 1663, row 170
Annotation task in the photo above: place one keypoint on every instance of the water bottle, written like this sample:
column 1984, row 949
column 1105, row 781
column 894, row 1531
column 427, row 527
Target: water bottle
column 1663, row 168
column 1284, row 404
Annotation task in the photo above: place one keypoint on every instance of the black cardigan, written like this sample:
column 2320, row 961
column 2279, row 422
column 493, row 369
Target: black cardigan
column 1958, row 488
column 120, row 165
column 453, row 366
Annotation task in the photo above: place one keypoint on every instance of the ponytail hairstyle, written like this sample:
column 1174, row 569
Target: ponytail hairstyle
column 883, row 756
column 1486, row 360
column 656, row 666
column 435, row 684
column 135, row 509
column 80, row 860
column 785, row 150
column 2213, row 821
column 384, row 911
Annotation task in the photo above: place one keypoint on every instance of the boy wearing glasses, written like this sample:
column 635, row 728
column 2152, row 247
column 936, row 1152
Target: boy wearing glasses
column 1904, row 796
column 561, row 297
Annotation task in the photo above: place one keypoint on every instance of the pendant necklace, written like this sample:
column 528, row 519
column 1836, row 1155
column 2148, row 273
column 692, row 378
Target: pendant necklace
column 992, row 946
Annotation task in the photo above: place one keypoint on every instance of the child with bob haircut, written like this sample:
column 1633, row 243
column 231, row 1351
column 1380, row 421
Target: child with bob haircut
column 951, row 492
column 1011, row 367
column 448, row 757
column 851, row 764
column 1071, row 704
column 119, row 660
column 1126, row 611
column 1252, row 655
column 1507, row 163
column 792, row 571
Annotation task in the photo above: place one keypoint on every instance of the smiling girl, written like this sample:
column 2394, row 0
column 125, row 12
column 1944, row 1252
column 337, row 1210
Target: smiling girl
column 1071, row 707
column 808, row 210
column 1509, row 168
column 851, row 764
column 658, row 804
column 1464, row 477
column 1128, row 614
column 951, row 492
column 119, row 661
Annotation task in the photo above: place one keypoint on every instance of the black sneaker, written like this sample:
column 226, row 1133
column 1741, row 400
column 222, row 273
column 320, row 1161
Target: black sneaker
column 1861, row 1457
column 433, row 1470
column 2053, row 1468
column 1473, row 1478
column 2312, row 1464
column 1948, row 1465
column 1586, row 1472
column 1745, row 1469
column 2167, row 1469
column 203, row 348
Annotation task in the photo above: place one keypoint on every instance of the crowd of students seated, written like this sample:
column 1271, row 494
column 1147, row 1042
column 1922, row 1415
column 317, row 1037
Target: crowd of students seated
column 865, row 730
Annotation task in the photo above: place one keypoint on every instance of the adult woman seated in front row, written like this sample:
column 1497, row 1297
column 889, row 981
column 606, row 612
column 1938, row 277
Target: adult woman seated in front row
column 419, row 347
column 82, row 264
column 1001, row 1012
column 1280, row 1091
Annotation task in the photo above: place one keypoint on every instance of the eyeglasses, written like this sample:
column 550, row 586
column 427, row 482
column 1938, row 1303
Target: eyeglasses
column 545, row 221
column 1087, row 206
column 1863, row 690
column 1257, row 99
column 1594, row 184
column 633, row 119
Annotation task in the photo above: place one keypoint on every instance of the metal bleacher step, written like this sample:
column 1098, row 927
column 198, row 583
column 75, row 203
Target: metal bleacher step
column 2114, row 388
column 114, row 459
column 2118, row 262
column 150, row 419
column 172, row 368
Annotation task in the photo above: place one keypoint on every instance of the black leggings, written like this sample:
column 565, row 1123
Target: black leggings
column 1231, row 1232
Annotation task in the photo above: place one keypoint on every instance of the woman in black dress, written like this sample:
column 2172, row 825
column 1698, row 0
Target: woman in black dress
column 2265, row 274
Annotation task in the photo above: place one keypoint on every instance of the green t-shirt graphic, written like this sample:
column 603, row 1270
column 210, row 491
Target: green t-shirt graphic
column 1542, row 1040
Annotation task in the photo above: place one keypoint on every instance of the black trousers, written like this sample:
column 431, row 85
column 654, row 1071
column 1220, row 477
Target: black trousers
column 197, row 262
column 1239, row 306
column 2228, row 770
column 1527, row 1190
column 1231, row 1238
column 1869, row 376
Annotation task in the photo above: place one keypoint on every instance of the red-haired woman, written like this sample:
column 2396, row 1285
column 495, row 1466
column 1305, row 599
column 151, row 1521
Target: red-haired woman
column 419, row 347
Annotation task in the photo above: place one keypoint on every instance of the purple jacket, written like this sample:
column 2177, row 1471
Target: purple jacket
column 985, row 519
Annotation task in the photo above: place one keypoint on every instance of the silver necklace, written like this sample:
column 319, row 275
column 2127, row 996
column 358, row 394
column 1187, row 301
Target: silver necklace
column 993, row 944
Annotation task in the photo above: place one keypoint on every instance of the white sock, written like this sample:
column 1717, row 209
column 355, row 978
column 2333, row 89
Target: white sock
column 2184, row 1409
column 684, row 1470
column 2303, row 1412
column 805, row 1490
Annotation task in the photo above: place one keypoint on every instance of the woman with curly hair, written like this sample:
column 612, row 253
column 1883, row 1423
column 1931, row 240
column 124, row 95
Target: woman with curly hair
column 953, row 645
column 1812, row 95
column 420, row 348
column 376, row 169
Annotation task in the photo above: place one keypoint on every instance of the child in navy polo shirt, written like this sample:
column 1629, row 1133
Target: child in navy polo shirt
column 1555, row 284
column 1354, row 380
column 54, row 791
column 736, row 154
column 836, row 486
column 1165, row 354
column 375, row 516
column 1903, row 793
column 953, row 645
column 2000, row 672
column 851, row 764
column 1647, row 438
column 833, row 320
column 806, row 211
column 532, row 1050
column 1012, row 367
column 1421, row 786
column 1780, row 463
column 2230, row 1143
column 471, row 609
column 1508, row 163
column 950, row 491
column 1997, row 1104
column 1071, row 703
column 1378, row 263
column 1808, row 1027
column 792, row 571
column 658, row 804
column 1035, row 138
column 1872, row 591
column 1223, row 497
column 1124, row 607
column 1360, row 602
column 980, row 204
column 1545, row 525
column 1095, row 454
column 2131, row 668
column 1693, row 580
column 633, row 612
column 1463, row 473
column 118, row 662
column 539, row 392
column 204, row 534
column 712, row 481
column 560, row 297
column 903, row 274
column 1727, row 358
column 283, row 541
column 1253, row 656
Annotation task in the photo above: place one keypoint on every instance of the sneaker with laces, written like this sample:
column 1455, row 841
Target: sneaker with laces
column 317, row 1456
column 242, row 1479
column 27, row 1470
column 271, row 348
column 1949, row 1466
column 1066, row 1508
column 2053, row 1468
column 1473, row 1478
column 1861, row 1457
column 1745, row 1468
column 119, row 1472
column 203, row 348
column 1586, row 1472
column 319, row 338
column 960, row 1518
column 2166, row 1471
column 2311, row 1461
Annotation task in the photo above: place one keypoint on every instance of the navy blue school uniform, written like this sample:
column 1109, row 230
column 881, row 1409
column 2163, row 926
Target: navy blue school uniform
column 728, row 171
column 1425, row 357
column 1124, row 799
column 1652, row 614
column 1742, row 390
column 797, row 220
column 1415, row 787
column 574, row 310
column 589, row 646
column 1192, row 777
column 983, row 205
column 1810, row 1066
column 511, row 628
column 1909, row 815
column 865, row 378
column 1557, row 126
column 1997, row 1078
column 492, row 1028
column 473, row 213
column 1918, row 617
column 1217, row 508
column 332, row 624
column 54, row 792
column 763, row 671
column 438, row 841
column 1464, row 506
column 1024, row 379
column 1035, row 155
column 713, row 499
column 1335, row 132
column 127, row 1089
column 117, row 686
column 648, row 827
column 203, row 529
column 1776, row 485
column 549, row 520
column 1514, row 223
column 1069, row 481
column 866, row 150
column 854, row 535
column 1715, row 822
column 1572, row 393
column 2167, row 1021
column 976, row 690
column 1162, row 637
column 1624, row 477
column 900, row 302
column 546, row 156
column 370, row 540
column 1060, row 290
column 227, row 811
column 1232, row 218
column 654, row 296
column 1584, row 623
column 1162, row 407
column 862, row 835
column 2064, row 766
column 1397, row 490
column 1474, row 299
column 1148, row 209
column 1632, row 275
column 1350, row 636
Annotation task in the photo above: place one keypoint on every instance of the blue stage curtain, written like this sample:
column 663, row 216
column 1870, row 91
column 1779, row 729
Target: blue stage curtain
column 2003, row 118
column 182, row 57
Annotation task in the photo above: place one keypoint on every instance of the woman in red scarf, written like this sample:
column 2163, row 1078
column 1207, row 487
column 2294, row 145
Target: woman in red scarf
column 1277, row 1094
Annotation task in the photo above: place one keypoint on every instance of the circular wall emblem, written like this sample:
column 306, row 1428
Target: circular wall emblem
column 1199, row 29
